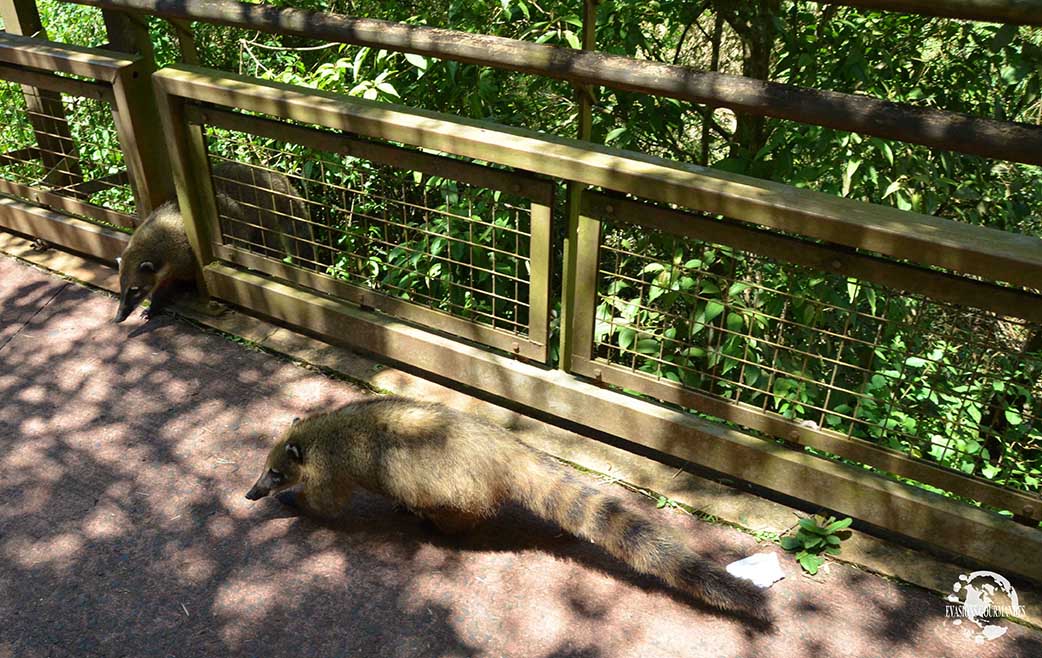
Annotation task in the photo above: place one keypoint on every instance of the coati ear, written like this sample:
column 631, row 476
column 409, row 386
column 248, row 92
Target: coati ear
column 147, row 266
column 119, row 261
column 293, row 450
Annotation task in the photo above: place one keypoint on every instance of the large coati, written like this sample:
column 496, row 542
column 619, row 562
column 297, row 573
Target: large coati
column 258, row 209
column 455, row 470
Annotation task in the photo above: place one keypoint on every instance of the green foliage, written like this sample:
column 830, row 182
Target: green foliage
column 961, row 66
column 816, row 537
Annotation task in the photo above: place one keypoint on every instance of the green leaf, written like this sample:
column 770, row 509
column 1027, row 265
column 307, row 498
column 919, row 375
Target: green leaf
column 1013, row 417
column 387, row 88
column 615, row 134
column 713, row 309
column 790, row 543
column 648, row 346
column 419, row 61
column 626, row 337
column 811, row 563
column 848, row 176
column 811, row 526
column 735, row 322
column 839, row 525
column 1003, row 37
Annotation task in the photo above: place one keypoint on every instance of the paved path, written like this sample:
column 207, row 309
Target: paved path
column 125, row 451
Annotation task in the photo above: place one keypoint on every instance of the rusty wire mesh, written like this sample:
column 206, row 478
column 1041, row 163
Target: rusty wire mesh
column 433, row 241
column 62, row 144
column 952, row 385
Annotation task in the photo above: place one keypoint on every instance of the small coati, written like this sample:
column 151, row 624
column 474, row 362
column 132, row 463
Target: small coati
column 455, row 470
column 255, row 206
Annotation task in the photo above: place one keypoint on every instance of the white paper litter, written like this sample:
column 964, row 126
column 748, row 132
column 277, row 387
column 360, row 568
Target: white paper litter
column 762, row 569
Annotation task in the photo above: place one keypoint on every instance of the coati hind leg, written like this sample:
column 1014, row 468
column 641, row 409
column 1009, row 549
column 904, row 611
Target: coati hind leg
column 450, row 521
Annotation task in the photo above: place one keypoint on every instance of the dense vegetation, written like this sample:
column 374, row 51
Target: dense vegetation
column 957, row 386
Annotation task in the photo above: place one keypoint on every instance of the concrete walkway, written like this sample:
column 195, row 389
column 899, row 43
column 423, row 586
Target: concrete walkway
column 125, row 451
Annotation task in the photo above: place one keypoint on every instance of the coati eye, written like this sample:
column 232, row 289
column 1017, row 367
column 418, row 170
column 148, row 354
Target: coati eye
column 134, row 289
column 293, row 450
column 275, row 476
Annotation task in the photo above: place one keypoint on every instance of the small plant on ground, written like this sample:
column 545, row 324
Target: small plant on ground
column 662, row 502
column 816, row 535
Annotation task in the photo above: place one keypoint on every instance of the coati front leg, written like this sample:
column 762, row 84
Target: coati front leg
column 161, row 298
column 322, row 502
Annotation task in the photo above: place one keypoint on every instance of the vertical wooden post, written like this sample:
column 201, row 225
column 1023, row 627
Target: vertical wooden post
column 191, row 173
column 574, row 193
column 135, row 111
column 186, row 41
column 46, row 112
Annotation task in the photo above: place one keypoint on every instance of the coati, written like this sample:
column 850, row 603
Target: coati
column 255, row 206
column 455, row 470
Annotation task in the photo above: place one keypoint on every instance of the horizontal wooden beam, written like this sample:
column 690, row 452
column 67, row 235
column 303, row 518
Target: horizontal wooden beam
column 530, row 187
column 67, row 203
column 50, row 82
column 1016, row 142
column 50, row 56
column 924, row 516
column 1016, row 12
column 989, row 253
column 56, row 228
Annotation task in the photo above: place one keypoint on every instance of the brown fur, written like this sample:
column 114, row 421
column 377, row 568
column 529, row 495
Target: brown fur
column 266, row 206
column 456, row 470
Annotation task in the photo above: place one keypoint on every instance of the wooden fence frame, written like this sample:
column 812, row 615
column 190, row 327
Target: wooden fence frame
column 116, row 79
column 927, row 517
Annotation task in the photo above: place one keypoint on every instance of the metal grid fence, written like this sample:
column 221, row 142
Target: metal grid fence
column 432, row 241
column 952, row 385
column 67, row 154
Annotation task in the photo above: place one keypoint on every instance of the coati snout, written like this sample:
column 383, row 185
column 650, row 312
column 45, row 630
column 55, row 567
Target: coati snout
column 281, row 471
column 135, row 284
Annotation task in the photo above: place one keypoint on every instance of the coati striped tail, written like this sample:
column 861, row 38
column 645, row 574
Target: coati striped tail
column 555, row 494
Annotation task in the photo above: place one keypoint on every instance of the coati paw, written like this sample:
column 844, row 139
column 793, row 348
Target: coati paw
column 291, row 499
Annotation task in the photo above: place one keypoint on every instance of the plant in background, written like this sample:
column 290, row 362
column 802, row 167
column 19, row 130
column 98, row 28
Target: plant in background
column 817, row 535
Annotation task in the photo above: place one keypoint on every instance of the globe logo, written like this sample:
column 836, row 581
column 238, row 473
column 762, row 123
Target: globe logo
column 980, row 597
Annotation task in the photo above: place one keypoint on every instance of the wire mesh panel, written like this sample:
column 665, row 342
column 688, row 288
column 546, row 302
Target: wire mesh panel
column 62, row 150
column 443, row 242
column 720, row 329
